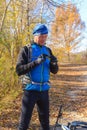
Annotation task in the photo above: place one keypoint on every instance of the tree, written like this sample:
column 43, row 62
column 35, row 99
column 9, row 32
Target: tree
column 13, row 35
column 67, row 28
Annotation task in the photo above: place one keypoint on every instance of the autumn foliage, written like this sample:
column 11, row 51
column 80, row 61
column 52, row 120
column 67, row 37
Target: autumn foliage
column 67, row 29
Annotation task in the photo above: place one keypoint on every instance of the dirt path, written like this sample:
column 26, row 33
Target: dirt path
column 69, row 87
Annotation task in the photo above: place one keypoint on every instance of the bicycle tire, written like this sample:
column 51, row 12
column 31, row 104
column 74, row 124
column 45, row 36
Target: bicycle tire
column 77, row 124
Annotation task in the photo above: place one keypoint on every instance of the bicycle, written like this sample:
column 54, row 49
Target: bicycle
column 75, row 125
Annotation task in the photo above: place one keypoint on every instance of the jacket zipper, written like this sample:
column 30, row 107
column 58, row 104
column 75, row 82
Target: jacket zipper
column 42, row 68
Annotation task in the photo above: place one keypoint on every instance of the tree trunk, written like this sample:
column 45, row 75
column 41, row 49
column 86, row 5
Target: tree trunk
column 68, row 56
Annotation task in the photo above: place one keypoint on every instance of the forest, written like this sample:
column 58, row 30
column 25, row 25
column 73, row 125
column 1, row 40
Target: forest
column 66, row 28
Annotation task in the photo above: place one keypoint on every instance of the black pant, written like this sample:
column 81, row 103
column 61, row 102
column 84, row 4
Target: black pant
column 30, row 98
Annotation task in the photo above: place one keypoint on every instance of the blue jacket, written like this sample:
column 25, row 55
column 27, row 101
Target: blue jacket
column 39, row 73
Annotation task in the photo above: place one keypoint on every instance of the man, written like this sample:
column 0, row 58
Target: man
column 38, row 69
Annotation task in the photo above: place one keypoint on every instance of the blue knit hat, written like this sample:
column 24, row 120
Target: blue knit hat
column 40, row 29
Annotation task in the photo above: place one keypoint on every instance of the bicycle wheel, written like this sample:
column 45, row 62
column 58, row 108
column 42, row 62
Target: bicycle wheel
column 78, row 125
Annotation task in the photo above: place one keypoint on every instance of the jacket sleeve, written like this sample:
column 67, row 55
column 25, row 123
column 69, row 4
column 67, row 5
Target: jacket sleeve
column 22, row 66
column 53, row 67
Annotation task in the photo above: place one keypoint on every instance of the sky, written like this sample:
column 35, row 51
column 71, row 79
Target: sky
column 83, row 13
column 83, row 10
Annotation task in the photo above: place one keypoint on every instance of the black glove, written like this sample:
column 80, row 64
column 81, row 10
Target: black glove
column 53, row 60
column 40, row 59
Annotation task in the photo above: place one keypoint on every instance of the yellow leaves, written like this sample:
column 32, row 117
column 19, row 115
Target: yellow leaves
column 67, row 28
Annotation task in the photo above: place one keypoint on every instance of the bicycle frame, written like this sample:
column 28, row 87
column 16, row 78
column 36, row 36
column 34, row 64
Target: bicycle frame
column 71, row 126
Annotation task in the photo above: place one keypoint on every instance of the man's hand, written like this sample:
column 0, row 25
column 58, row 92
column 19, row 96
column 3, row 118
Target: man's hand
column 40, row 59
column 53, row 64
column 53, row 60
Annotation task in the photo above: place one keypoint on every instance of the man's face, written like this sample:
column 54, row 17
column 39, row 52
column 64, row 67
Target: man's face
column 40, row 39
